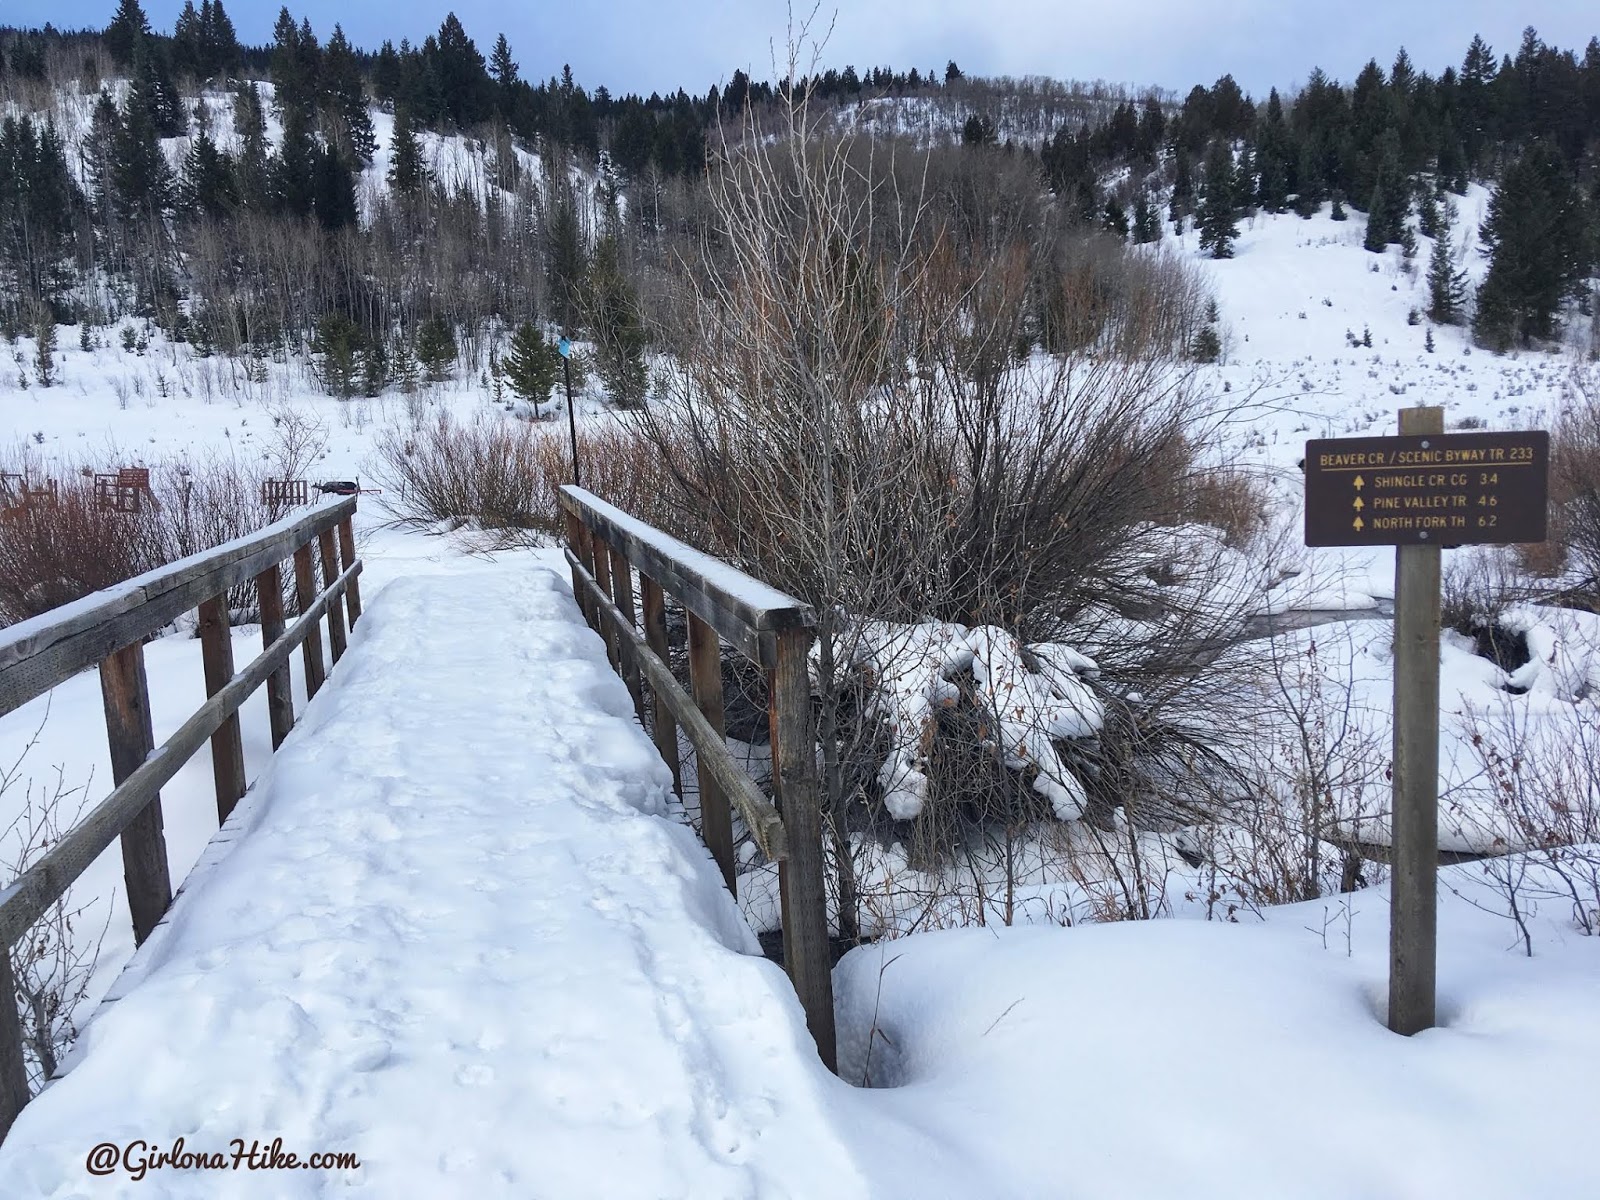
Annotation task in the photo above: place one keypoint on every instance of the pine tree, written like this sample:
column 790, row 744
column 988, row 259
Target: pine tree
column 219, row 41
column 503, row 69
column 252, row 170
column 333, row 197
column 44, row 357
column 344, row 105
column 533, row 365
column 1536, row 234
column 188, row 50
column 1182, row 188
column 142, row 181
column 566, row 257
column 1217, row 219
column 337, row 346
column 127, row 28
column 294, row 167
column 613, row 315
column 1146, row 220
column 209, row 187
column 1115, row 218
column 407, row 175
column 436, row 349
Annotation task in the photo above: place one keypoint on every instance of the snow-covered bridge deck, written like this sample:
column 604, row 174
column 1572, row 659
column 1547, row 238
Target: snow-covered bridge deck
column 452, row 931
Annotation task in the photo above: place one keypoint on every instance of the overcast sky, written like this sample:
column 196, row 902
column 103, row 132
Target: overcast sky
column 645, row 45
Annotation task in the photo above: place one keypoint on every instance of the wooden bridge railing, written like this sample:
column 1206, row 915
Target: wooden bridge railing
column 773, row 630
column 108, row 629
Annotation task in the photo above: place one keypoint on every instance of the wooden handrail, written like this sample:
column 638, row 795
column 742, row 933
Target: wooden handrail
column 108, row 628
column 774, row 630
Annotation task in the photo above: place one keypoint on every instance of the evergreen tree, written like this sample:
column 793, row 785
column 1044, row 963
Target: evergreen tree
column 219, row 42
column 533, row 365
column 344, row 103
column 294, row 167
column 1536, row 235
column 337, row 349
column 128, row 27
column 1182, row 188
column 1146, row 220
column 334, row 193
column 252, row 170
column 209, row 186
column 44, row 355
column 1115, row 218
column 142, row 181
column 503, row 69
column 296, row 61
column 407, row 175
column 464, row 87
column 566, row 256
column 436, row 349
column 1447, row 286
column 1217, row 219
column 187, row 41
column 386, row 73
column 613, row 315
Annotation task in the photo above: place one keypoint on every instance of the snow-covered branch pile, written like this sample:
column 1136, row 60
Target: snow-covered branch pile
column 1032, row 696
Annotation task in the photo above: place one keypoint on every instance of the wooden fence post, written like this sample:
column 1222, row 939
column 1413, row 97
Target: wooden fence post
column 144, row 848
column 805, row 932
column 330, row 572
column 280, row 692
column 305, row 591
column 347, row 559
column 705, row 683
column 227, row 748
column 13, row 1065
column 653, row 601
column 622, row 586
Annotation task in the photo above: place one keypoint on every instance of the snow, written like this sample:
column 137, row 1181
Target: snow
column 455, row 904
column 459, row 928
column 1207, row 1059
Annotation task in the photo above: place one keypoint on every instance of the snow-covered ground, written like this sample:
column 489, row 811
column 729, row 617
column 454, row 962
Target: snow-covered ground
column 454, row 932
column 624, row 1042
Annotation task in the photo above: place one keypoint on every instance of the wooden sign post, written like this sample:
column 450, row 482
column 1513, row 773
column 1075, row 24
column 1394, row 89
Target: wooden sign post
column 1421, row 492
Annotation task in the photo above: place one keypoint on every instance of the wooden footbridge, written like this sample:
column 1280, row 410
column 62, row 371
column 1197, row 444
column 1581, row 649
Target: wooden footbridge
column 303, row 575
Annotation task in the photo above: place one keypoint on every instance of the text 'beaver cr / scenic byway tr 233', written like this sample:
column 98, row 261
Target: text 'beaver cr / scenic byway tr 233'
column 1421, row 492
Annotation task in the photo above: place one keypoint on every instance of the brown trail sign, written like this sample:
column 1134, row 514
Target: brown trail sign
column 1444, row 489
column 1422, row 492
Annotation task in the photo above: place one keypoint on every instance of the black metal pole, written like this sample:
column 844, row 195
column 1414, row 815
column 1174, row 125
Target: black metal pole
column 572, row 421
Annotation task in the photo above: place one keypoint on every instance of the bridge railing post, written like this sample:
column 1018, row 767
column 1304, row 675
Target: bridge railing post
column 126, row 693
column 705, row 683
column 227, row 747
column 305, row 592
column 653, row 604
column 801, row 877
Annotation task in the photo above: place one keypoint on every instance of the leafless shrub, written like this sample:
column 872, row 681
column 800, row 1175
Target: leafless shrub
column 854, row 426
column 1575, row 486
column 505, row 474
column 1537, row 808
column 54, row 962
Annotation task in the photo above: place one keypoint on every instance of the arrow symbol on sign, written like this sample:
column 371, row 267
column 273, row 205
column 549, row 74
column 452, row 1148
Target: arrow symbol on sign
column 1360, row 504
column 1360, row 483
column 1358, row 524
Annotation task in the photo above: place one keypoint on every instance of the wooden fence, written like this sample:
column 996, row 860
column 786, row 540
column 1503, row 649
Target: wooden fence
column 108, row 630
column 605, row 547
